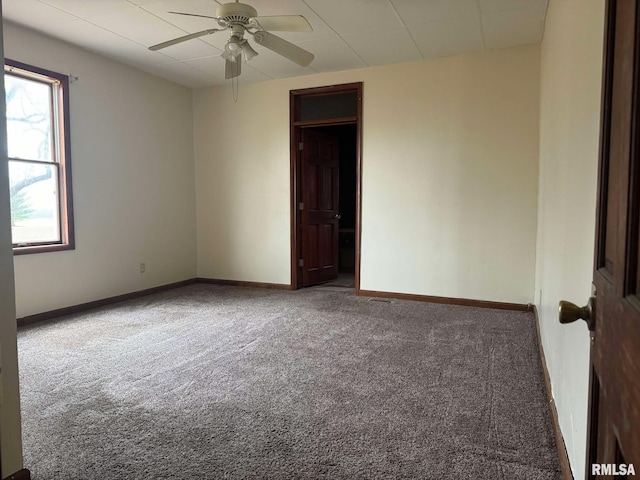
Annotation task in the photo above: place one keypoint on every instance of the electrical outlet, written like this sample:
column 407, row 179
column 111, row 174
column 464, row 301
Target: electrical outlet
column 143, row 267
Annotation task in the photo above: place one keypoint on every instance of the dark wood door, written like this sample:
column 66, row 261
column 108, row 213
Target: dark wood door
column 319, row 210
column 614, row 408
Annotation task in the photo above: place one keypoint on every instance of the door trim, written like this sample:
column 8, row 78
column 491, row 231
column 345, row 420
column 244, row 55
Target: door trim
column 295, row 169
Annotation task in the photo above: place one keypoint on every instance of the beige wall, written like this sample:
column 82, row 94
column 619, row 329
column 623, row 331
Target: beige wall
column 450, row 150
column 569, row 132
column 10, row 437
column 133, row 181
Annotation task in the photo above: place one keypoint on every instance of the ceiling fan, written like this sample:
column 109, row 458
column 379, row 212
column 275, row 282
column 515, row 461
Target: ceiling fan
column 240, row 18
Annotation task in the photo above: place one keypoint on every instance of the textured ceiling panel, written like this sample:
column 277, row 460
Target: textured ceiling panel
column 346, row 33
column 508, row 27
column 346, row 17
column 449, row 37
column 413, row 12
column 385, row 46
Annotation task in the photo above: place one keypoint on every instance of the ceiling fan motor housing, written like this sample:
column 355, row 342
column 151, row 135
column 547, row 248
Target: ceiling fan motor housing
column 236, row 12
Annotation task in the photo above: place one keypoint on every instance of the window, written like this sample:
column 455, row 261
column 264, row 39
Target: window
column 37, row 104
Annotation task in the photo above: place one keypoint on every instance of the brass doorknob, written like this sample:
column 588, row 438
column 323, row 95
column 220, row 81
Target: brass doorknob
column 569, row 312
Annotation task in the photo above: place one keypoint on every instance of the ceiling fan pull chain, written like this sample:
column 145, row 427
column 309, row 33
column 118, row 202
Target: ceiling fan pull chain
column 235, row 86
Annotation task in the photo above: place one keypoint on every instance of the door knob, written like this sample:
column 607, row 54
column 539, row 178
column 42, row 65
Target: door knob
column 337, row 216
column 569, row 312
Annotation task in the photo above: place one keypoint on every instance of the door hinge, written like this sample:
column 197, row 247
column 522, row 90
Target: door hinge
column 300, row 146
column 301, row 206
column 301, row 263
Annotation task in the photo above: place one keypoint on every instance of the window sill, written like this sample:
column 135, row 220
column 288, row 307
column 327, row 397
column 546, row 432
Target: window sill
column 31, row 249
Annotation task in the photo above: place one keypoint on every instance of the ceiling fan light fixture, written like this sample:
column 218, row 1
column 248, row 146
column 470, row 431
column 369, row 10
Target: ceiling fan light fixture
column 229, row 57
column 247, row 52
column 232, row 49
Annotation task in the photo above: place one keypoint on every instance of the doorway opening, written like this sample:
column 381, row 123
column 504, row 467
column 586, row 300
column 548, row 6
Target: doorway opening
column 325, row 186
column 346, row 137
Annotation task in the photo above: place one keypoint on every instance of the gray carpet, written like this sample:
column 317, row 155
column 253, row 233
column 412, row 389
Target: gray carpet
column 212, row 382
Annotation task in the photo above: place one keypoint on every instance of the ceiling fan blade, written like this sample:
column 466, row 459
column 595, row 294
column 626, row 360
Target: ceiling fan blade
column 194, row 15
column 284, row 48
column 232, row 69
column 168, row 43
column 283, row 23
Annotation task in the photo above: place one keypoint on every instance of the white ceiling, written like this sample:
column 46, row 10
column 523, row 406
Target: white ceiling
column 346, row 34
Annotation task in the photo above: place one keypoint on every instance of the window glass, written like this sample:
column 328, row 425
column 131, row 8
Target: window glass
column 29, row 119
column 34, row 202
column 322, row 107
